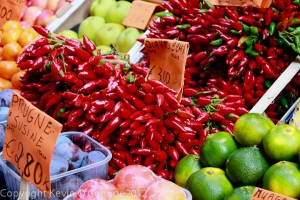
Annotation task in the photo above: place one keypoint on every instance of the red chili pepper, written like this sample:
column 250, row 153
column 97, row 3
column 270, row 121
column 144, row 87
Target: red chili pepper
column 247, row 19
column 121, row 164
column 173, row 153
column 238, row 56
column 82, row 54
column 232, row 14
column 139, row 131
column 43, row 50
column 153, row 144
column 267, row 69
column 160, row 155
column 138, row 103
column 41, row 30
column 203, row 101
column 110, row 127
column 89, row 45
column 145, row 151
column 181, row 148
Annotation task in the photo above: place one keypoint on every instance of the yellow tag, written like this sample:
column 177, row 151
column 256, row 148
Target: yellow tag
column 167, row 62
column 139, row 14
column 10, row 10
column 29, row 142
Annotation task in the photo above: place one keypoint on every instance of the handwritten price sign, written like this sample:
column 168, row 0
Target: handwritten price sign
column 10, row 10
column 167, row 61
column 29, row 142
column 260, row 194
column 139, row 14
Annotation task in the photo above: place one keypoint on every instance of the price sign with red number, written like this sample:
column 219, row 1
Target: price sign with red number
column 29, row 142
column 10, row 10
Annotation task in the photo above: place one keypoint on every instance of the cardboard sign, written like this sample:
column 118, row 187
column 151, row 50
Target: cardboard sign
column 139, row 14
column 167, row 62
column 29, row 142
column 10, row 10
column 254, row 3
column 261, row 194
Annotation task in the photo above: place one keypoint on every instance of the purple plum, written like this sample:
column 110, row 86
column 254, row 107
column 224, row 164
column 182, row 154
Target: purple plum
column 58, row 165
column 5, row 97
column 71, row 153
column 95, row 172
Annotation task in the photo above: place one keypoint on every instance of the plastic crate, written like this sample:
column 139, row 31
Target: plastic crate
column 59, row 181
column 188, row 195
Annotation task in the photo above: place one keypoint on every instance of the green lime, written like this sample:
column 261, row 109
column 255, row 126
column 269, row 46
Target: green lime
column 282, row 143
column 185, row 167
column 209, row 183
column 241, row 193
column 246, row 166
column 283, row 177
column 250, row 129
column 216, row 149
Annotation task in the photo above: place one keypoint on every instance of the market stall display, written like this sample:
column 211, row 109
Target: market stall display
column 235, row 55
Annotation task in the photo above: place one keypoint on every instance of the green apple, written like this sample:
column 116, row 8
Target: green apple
column 104, row 49
column 127, row 39
column 101, row 7
column 108, row 34
column 90, row 26
column 69, row 34
column 117, row 13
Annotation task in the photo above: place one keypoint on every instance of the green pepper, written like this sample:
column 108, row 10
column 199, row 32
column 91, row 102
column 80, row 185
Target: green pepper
column 130, row 78
column 234, row 32
column 291, row 29
column 275, row 10
column 280, row 42
column 268, row 83
column 163, row 14
column 183, row 26
column 61, row 111
column 208, row 4
column 272, row 28
column 217, row 42
column 246, row 28
column 249, row 50
column 284, row 102
column 295, row 22
column 254, row 30
column 203, row 11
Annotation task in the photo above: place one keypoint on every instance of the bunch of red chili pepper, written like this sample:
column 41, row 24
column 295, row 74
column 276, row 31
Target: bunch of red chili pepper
column 104, row 96
column 247, row 45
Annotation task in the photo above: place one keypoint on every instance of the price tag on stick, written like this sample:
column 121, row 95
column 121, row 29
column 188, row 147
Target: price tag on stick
column 254, row 3
column 139, row 14
column 167, row 62
column 29, row 142
column 10, row 10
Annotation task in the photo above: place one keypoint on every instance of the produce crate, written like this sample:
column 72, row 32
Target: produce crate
column 188, row 195
column 70, row 15
column 12, row 179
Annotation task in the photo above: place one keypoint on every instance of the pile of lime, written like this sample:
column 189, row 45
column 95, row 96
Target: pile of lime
column 258, row 154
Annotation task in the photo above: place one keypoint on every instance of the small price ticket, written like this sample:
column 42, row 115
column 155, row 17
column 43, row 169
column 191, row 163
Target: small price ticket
column 254, row 3
column 10, row 10
column 139, row 14
column 167, row 62
column 261, row 194
column 29, row 142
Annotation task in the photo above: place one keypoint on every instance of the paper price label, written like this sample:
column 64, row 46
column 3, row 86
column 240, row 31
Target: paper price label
column 167, row 61
column 254, row 3
column 29, row 142
column 139, row 14
column 261, row 194
column 10, row 10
